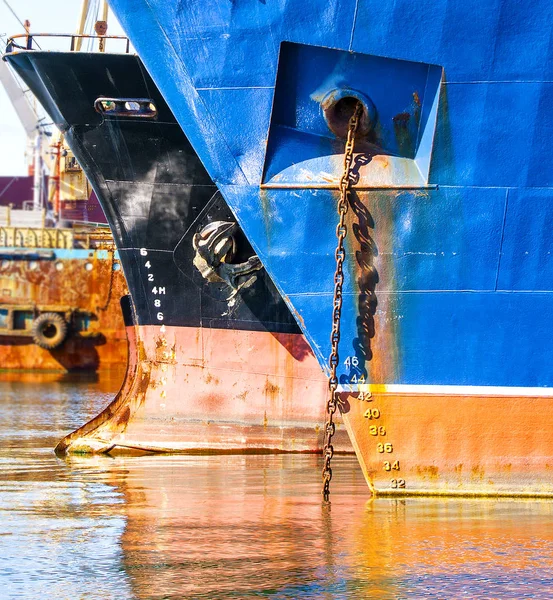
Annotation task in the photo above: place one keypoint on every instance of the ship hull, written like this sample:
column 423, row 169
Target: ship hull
column 456, row 441
column 213, row 368
column 448, row 280
column 83, row 280
column 197, row 390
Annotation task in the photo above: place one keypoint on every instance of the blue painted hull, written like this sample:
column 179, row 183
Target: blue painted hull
column 466, row 269
column 449, row 267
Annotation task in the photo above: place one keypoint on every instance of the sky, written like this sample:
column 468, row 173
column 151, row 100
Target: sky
column 46, row 16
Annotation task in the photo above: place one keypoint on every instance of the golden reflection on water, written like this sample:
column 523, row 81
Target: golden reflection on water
column 236, row 526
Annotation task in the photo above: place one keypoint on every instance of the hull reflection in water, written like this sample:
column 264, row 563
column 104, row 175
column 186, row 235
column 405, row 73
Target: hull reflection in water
column 243, row 527
column 227, row 527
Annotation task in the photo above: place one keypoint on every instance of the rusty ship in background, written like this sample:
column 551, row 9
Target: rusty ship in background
column 390, row 164
column 60, row 278
column 60, row 293
column 217, row 362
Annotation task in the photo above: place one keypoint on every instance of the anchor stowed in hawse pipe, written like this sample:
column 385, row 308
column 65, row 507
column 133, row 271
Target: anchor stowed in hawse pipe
column 215, row 246
column 446, row 337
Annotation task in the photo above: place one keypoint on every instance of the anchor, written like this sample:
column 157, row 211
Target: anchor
column 215, row 247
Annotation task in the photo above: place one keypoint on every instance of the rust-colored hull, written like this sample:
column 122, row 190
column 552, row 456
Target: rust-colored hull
column 79, row 279
column 201, row 390
column 497, row 443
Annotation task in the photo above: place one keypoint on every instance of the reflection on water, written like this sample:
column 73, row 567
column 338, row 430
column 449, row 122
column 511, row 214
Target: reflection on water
column 235, row 526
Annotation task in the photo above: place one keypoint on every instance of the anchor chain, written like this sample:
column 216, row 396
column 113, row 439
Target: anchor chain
column 110, row 286
column 340, row 254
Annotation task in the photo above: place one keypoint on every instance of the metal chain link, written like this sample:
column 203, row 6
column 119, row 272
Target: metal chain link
column 340, row 254
column 110, row 286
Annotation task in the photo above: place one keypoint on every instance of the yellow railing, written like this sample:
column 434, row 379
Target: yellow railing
column 36, row 237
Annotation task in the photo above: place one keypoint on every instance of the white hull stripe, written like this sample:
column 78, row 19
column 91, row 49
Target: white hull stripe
column 449, row 390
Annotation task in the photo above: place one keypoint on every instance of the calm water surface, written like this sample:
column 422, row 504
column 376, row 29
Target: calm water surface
column 234, row 526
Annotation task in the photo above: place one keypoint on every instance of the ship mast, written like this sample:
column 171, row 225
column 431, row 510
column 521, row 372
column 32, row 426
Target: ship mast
column 33, row 126
column 100, row 25
column 68, row 188
column 37, row 172
column 37, row 157
column 82, row 23
column 30, row 120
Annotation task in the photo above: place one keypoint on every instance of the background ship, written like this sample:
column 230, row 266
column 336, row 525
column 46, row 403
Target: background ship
column 60, row 280
column 446, row 318
column 217, row 362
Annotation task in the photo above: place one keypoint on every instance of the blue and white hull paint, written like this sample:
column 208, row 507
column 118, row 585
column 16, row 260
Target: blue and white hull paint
column 449, row 268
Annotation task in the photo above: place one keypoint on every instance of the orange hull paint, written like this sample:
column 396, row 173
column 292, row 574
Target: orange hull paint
column 409, row 444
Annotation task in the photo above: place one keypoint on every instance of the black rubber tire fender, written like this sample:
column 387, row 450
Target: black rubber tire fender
column 49, row 330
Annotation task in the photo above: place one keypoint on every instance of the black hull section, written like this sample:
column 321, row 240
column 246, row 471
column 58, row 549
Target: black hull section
column 154, row 191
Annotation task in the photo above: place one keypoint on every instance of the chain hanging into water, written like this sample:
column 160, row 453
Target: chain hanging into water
column 341, row 232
